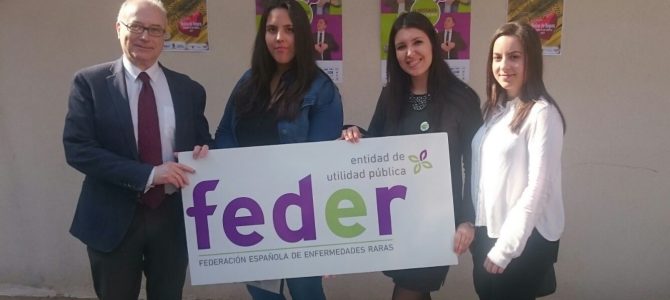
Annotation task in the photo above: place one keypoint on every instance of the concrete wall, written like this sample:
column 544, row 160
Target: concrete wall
column 611, row 82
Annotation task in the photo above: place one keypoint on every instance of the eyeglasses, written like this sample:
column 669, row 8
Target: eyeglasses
column 139, row 29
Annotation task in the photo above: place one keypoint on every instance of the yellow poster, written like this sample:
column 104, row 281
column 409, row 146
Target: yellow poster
column 187, row 25
column 546, row 16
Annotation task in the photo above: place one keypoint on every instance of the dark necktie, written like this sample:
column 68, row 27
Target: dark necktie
column 149, row 138
column 448, row 39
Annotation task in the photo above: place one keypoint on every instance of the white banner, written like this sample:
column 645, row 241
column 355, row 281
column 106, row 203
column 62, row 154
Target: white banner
column 312, row 209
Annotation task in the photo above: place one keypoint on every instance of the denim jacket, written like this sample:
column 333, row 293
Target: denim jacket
column 320, row 117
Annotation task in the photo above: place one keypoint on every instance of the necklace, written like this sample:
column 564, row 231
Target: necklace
column 419, row 102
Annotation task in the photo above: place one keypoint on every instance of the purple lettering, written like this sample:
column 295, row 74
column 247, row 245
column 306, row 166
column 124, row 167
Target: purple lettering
column 200, row 211
column 305, row 201
column 231, row 221
column 384, row 197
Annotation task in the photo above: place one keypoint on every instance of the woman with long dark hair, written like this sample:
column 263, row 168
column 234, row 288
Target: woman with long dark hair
column 284, row 98
column 516, row 177
column 422, row 95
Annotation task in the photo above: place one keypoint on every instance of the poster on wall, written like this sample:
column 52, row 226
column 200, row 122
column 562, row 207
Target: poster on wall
column 187, row 26
column 546, row 16
column 451, row 19
column 325, row 17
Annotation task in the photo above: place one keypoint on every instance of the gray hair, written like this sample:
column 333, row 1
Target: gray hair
column 156, row 3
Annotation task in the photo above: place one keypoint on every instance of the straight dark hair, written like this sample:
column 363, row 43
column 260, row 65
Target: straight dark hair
column 254, row 93
column 532, row 88
column 442, row 82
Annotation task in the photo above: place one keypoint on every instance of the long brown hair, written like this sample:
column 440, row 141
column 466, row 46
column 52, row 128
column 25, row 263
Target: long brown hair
column 532, row 88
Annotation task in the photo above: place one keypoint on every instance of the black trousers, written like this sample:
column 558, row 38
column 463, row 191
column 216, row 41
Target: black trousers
column 523, row 277
column 155, row 245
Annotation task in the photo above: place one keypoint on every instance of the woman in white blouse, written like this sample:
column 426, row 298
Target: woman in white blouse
column 516, row 172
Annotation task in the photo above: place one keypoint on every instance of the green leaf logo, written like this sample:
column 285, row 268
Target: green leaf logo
column 420, row 162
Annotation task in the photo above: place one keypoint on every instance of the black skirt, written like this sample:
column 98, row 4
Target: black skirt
column 523, row 277
column 423, row 280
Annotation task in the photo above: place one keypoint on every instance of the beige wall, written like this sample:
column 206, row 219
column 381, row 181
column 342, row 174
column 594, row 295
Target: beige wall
column 611, row 82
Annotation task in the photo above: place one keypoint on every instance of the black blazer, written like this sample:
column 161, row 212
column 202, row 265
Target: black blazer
column 461, row 124
column 99, row 141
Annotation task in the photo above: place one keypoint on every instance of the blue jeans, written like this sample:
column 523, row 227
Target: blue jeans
column 305, row 288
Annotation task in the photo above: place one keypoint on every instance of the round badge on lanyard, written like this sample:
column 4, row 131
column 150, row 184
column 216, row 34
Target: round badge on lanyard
column 424, row 126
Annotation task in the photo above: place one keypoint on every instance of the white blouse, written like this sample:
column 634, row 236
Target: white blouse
column 516, row 178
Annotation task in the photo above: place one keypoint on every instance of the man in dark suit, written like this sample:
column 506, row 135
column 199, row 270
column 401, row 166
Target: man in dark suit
column 399, row 6
column 324, row 42
column 450, row 40
column 125, row 120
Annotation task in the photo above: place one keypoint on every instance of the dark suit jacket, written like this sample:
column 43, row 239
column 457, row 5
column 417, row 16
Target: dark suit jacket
column 393, row 4
column 332, row 46
column 456, row 39
column 99, row 141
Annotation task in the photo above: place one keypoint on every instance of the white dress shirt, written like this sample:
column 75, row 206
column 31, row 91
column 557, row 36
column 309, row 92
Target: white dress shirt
column 516, row 178
column 166, row 117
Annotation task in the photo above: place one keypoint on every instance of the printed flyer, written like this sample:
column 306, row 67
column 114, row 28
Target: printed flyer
column 325, row 17
column 546, row 16
column 451, row 19
column 311, row 209
column 187, row 26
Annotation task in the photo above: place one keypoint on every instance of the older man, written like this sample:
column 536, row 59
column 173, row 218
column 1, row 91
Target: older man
column 125, row 120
